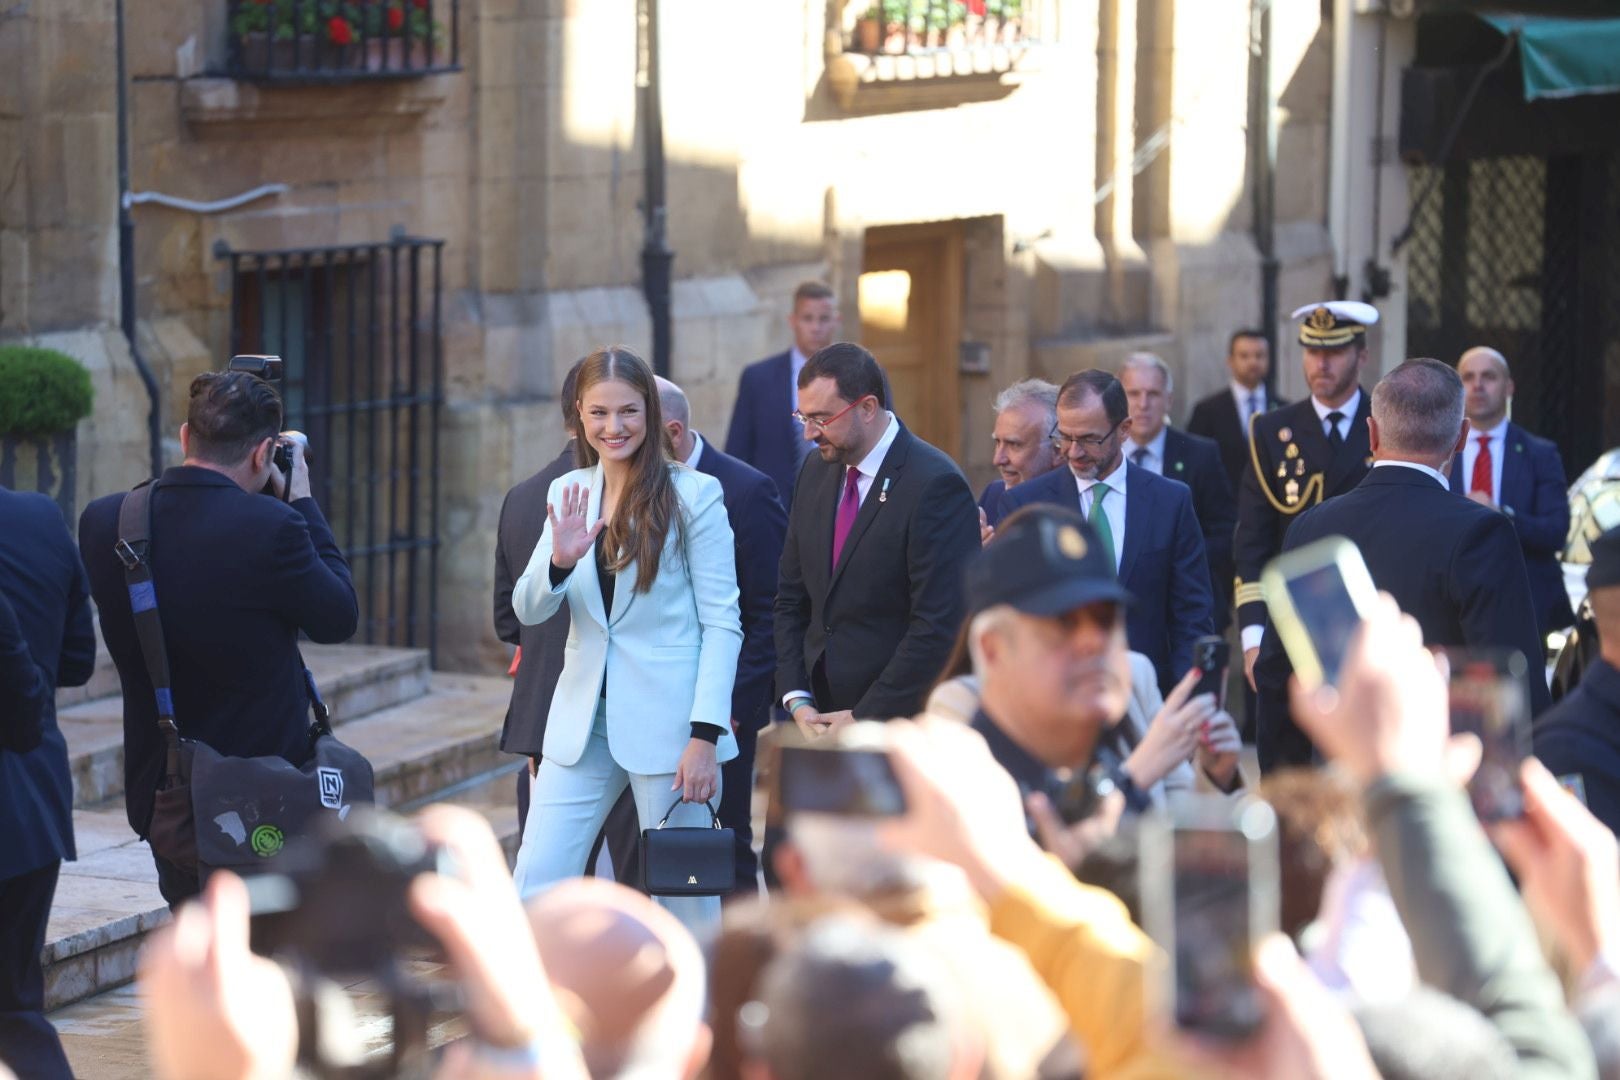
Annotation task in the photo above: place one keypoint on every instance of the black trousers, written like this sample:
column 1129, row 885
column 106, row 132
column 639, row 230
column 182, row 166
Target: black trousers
column 28, row 1044
column 622, row 832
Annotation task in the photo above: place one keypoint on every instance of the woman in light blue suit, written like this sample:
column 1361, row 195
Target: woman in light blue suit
column 641, row 548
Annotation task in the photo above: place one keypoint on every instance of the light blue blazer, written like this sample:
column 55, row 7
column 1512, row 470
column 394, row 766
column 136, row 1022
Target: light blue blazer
column 669, row 656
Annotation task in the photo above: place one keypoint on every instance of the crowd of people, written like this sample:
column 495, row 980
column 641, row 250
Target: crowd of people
column 1025, row 661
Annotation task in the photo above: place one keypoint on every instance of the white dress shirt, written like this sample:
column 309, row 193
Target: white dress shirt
column 697, row 451
column 1498, row 441
column 1434, row 474
column 1113, row 504
column 1241, row 395
column 1348, row 409
column 1153, row 461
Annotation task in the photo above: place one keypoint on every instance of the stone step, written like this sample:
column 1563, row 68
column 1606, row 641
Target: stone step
column 354, row 680
column 445, row 741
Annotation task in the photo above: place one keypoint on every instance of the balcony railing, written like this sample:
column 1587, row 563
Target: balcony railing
column 340, row 40
column 899, row 27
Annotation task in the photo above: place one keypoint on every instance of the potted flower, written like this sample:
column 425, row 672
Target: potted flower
column 43, row 396
column 896, row 19
column 869, row 30
column 275, row 35
column 397, row 33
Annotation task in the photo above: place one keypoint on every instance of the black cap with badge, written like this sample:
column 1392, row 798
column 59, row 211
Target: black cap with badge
column 1605, row 568
column 1044, row 560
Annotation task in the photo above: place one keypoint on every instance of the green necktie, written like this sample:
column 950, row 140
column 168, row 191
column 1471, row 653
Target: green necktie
column 1099, row 520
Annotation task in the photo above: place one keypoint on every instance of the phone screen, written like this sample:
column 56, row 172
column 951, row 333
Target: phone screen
column 1328, row 614
column 1490, row 699
column 860, row 783
column 1214, row 946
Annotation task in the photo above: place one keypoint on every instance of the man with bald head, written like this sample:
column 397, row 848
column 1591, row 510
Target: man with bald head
column 628, row 976
column 1452, row 564
column 1506, row 468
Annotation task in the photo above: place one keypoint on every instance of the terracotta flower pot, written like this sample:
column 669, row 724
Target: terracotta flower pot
column 868, row 35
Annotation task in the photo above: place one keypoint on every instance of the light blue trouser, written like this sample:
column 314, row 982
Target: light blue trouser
column 569, row 803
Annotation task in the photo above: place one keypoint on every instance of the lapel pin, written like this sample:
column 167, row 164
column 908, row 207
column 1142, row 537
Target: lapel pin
column 883, row 496
column 1181, row 466
column 1518, row 448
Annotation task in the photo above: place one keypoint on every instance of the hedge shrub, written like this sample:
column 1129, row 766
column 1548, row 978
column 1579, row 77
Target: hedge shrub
column 42, row 391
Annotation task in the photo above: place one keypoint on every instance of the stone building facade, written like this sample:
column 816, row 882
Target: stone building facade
column 1048, row 198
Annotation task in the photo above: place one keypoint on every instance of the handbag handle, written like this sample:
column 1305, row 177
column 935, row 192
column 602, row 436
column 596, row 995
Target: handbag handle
column 714, row 816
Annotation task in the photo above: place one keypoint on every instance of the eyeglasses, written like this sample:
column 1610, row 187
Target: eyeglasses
column 1065, row 443
column 822, row 421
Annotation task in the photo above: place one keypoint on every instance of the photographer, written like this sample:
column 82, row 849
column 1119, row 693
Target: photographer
column 239, row 576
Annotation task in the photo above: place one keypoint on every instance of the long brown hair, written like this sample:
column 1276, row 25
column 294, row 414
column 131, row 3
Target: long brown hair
column 649, row 505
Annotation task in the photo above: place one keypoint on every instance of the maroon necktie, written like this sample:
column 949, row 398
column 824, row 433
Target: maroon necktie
column 848, row 507
column 1482, row 469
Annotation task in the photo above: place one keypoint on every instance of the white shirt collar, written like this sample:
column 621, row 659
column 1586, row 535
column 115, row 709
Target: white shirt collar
column 1496, row 434
column 1348, row 408
column 1435, row 474
column 1155, row 447
column 1115, row 480
column 1241, row 393
column 873, row 461
column 697, row 451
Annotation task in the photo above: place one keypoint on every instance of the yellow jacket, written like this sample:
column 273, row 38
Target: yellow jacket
column 1099, row 965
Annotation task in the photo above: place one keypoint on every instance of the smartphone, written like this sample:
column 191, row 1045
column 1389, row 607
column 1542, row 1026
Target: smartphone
column 847, row 774
column 1317, row 595
column 1209, row 895
column 1490, row 698
column 1211, row 655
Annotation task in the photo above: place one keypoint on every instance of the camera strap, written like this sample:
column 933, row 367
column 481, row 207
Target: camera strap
column 134, row 550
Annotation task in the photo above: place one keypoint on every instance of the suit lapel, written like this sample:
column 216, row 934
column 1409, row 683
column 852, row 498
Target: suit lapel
column 782, row 422
column 590, row 584
column 1136, row 510
column 1175, row 455
column 1515, row 469
column 874, row 503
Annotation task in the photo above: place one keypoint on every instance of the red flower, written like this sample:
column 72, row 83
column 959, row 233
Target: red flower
column 975, row 7
column 396, row 18
column 421, row 4
column 339, row 30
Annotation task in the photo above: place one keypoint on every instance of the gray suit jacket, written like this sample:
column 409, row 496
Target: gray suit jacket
column 523, row 516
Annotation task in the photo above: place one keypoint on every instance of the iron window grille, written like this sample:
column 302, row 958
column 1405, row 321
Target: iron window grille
column 359, row 329
column 340, row 40
column 899, row 27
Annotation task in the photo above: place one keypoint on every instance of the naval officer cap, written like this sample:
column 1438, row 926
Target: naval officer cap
column 1331, row 324
column 1043, row 560
column 1605, row 568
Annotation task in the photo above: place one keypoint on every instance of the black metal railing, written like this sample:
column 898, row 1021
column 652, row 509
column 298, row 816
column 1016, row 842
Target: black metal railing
column 359, row 331
column 330, row 40
column 908, row 26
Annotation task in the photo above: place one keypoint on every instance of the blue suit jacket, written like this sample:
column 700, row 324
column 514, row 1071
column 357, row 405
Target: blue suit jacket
column 1196, row 461
column 759, row 525
column 1535, row 497
column 1162, row 563
column 238, row 576
column 990, row 501
column 667, row 658
column 763, row 433
column 41, row 576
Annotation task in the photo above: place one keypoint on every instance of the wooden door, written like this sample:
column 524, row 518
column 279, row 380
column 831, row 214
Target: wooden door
column 910, row 297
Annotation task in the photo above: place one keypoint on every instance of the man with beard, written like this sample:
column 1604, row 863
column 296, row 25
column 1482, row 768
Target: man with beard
column 869, row 597
column 1302, row 453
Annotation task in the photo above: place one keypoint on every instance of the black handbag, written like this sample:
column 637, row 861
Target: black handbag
column 687, row 860
column 212, row 810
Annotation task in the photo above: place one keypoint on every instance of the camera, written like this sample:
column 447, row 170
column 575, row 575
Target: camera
column 334, row 910
column 270, row 368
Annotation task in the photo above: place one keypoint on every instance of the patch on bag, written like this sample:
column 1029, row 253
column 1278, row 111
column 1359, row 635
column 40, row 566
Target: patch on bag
column 230, row 823
column 267, row 840
column 331, row 787
column 691, row 879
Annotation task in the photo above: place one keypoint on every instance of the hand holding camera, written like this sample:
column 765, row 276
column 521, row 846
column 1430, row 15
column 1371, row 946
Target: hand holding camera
column 289, row 473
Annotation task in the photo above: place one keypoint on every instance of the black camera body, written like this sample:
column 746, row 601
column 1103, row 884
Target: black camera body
column 270, row 368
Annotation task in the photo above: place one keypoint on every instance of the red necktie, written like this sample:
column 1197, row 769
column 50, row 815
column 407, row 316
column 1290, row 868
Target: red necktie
column 848, row 507
column 1482, row 469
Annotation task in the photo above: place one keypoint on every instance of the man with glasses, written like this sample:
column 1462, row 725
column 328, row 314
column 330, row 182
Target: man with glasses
column 882, row 525
column 1145, row 522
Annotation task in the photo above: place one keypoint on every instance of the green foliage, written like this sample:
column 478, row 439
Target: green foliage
column 42, row 391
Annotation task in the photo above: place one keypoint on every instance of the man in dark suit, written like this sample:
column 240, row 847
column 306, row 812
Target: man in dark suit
column 1224, row 415
column 1026, row 416
column 1304, row 453
column 870, row 593
column 1146, row 522
column 1194, row 460
column 1578, row 739
column 539, row 658
column 46, row 602
column 1451, row 564
column 1506, row 468
column 763, row 432
column 238, row 576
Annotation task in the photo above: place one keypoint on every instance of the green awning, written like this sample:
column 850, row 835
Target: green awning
column 1564, row 57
